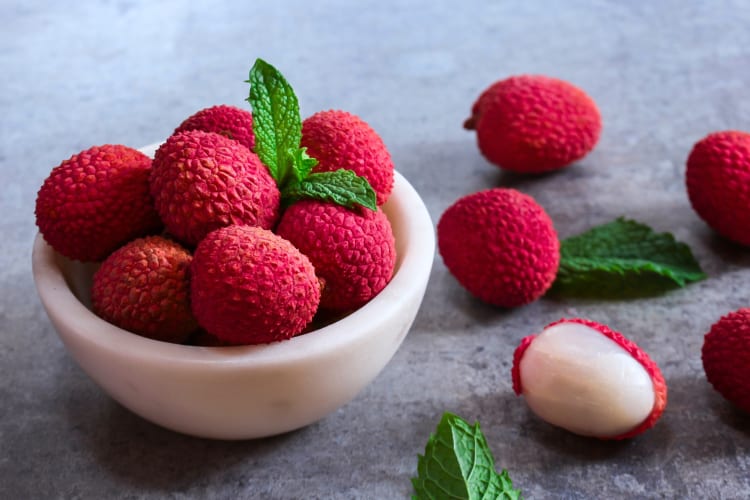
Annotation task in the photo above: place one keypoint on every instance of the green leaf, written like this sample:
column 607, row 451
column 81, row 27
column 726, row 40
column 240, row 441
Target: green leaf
column 622, row 259
column 339, row 186
column 458, row 464
column 303, row 163
column 276, row 121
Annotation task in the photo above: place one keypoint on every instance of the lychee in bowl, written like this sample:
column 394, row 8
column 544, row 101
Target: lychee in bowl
column 245, row 391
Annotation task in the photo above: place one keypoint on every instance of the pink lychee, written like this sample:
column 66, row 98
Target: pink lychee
column 250, row 286
column 353, row 250
column 338, row 139
column 96, row 201
column 202, row 181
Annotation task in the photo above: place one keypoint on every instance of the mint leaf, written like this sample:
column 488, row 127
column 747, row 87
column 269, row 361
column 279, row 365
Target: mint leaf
column 621, row 259
column 276, row 122
column 339, row 186
column 458, row 463
column 303, row 163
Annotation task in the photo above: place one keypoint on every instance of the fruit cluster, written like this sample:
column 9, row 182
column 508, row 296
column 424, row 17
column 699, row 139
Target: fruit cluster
column 501, row 246
column 198, row 245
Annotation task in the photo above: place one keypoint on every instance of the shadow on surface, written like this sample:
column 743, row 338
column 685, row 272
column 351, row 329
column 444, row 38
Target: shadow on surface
column 155, row 458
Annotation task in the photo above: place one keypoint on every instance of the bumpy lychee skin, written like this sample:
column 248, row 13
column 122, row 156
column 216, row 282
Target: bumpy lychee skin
column 726, row 357
column 500, row 245
column 718, row 183
column 229, row 121
column 96, row 201
column 202, row 181
column 143, row 287
column 250, row 286
column 589, row 379
column 353, row 251
column 534, row 123
column 338, row 139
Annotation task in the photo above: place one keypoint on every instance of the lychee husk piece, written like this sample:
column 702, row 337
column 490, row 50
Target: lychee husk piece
column 594, row 380
column 726, row 357
column 250, row 286
column 96, row 201
column 143, row 287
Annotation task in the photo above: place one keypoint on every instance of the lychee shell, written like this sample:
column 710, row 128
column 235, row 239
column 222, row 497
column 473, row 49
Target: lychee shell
column 338, row 139
column 250, row 286
column 726, row 357
column 500, row 245
column 353, row 250
column 202, row 181
column 96, row 201
column 534, row 123
column 718, row 183
column 143, row 287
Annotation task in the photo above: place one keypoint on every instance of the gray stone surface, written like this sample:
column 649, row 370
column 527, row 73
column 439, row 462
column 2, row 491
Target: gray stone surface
column 663, row 73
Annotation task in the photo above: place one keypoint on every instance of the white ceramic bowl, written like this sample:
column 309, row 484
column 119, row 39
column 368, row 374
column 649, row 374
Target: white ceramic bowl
column 246, row 391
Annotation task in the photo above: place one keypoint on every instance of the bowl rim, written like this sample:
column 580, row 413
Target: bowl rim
column 413, row 269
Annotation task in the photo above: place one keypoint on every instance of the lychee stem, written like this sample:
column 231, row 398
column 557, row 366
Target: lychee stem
column 470, row 123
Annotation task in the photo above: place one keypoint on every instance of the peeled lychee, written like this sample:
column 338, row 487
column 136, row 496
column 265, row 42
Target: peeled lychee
column 96, row 201
column 726, row 357
column 229, row 121
column 250, row 286
column 500, row 245
column 584, row 377
column 338, row 139
column 718, row 183
column 534, row 124
column 202, row 181
column 353, row 250
column 143, row 287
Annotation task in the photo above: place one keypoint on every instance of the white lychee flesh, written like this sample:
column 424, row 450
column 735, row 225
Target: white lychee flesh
column 576, row 378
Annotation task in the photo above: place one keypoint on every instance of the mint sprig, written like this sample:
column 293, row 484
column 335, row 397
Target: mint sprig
column 278, row 132
column 458, row 463
column 624, row 259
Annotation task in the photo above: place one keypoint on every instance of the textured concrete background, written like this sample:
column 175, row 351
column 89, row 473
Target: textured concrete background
column 663, row 73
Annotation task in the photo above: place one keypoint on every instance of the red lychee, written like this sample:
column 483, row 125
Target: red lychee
column 338, row 139
column 229, row 121
column 726, row 357
column 353, row 250
column 143, row 287
column 96, row 201
column 534, row 123
column 589, row 379
column 250, row 286
column 202, row 181
column 718, row 183
column 500, row 245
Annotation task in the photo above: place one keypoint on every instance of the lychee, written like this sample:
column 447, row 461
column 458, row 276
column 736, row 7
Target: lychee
column 718, row 183
column 534, row 123
column 202, row 181
column 229, row 121
column 143, row 287
column 96, row 201
column 338, row 139
column 500, row 245
column 584, row 377
column 353, row 250
column 726, row 357
column 250, row 286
